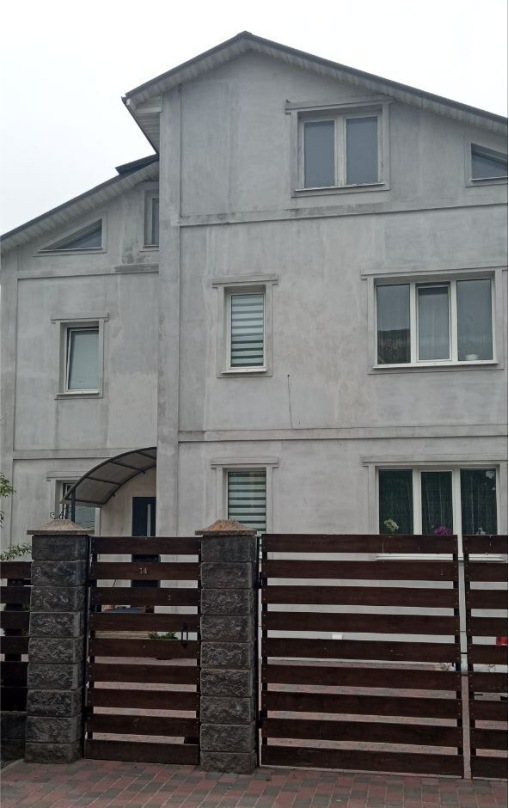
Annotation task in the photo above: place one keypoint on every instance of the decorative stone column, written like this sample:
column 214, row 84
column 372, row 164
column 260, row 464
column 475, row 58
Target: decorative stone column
column 56, row 651
column 228, row 649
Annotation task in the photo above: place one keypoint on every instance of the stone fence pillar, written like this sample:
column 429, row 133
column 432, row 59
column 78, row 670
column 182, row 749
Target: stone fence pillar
column 228, row 651
column 56, row 651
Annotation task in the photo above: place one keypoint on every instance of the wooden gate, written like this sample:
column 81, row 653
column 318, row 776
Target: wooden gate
column 142, row 695
column 361, row 653
column 15, row 594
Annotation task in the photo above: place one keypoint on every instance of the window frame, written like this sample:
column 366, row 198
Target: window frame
column 66, row 325
column 52, row 249
column 228, row 286
column 222, row 467
column 489, row 147
column 307, row 112
column 148, row 220
column 374, row 465
column 57, row 480
column 451, row 282
column 488, row 152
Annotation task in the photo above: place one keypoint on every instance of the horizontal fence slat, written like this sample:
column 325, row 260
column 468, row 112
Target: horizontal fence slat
column 155, row 649
column 496, row 545
column 489, row 739
column 361, row 731
column 486, row 598
column 16, row 570
column 487, row 626
column 363, row 570
column 15, row 595
column 333, row 676
column 142, row 725
column 365, row 623
column 358, row 543
column 108, row 621
column 157, row 596
column 169, row 674
column 354, row 649
column 488, row 710
column 142, row 752
column 145, row 571
column 486, row 571
column 361, row 596
column 139, row 699
column 362, row 761
column 493, row 767
column 487, row 654
column 148, row 546
column 13, row 698
column 491, row 682
column 366, row 705
column 13, row 645
column 15, row 620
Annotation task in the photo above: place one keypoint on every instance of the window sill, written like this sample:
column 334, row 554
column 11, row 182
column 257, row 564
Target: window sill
column 79, row 394
column 441, row 366
column 149, row 248
column 341, row 189
column 261, row 371
column 471, row 183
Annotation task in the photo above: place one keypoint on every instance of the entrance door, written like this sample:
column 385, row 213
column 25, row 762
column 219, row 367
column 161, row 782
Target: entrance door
column 144, row 524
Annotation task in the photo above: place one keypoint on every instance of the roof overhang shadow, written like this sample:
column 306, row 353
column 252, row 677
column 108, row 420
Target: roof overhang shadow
column 102, row 482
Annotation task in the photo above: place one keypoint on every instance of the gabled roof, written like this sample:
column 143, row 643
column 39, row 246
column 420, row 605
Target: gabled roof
column 129, row 175
column 143, row 101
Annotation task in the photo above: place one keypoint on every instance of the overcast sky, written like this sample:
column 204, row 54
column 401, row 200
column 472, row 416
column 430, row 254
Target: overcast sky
column 65, row 65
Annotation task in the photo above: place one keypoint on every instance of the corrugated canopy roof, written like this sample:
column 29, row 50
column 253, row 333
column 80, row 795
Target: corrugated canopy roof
column 102, row 482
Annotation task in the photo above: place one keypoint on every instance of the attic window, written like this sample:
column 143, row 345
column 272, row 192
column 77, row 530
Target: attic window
column 488, row 164
column 87, row 238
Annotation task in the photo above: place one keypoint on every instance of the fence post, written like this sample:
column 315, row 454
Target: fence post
column 228, row 648
column 56, row 651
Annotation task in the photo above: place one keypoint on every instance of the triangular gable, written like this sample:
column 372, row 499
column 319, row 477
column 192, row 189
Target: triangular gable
column 86, row 238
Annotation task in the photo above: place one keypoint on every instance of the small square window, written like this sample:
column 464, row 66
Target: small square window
column 487, row 164
column 247, row 498
column 82, row 515
column 340, row 150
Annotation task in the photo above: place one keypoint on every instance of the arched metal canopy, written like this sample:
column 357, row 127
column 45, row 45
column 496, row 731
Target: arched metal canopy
column 99, row 484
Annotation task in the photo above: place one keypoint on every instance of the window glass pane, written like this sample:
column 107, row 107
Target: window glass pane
column 319, row 163
column 247, row 330
column 89, row 238
column 395, row 501
column 433, row 304
column 247, row 498
column 393, row 324
column 478, row 501
column 436, row 493
column 82, row 359
column 84, row 515
column 486, row 164
column 154, row 233
column 475, row 339
column 361, row 150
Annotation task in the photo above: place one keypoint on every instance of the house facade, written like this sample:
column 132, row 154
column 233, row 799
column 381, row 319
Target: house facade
column 293, row 315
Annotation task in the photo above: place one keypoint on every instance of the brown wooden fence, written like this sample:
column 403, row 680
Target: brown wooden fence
column 486, row 593
column 361, row 653
column 15, row 596
column 142, row 701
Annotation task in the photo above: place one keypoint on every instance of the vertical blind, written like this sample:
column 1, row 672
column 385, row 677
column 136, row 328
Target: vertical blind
column 247, row 319
column 247, row 498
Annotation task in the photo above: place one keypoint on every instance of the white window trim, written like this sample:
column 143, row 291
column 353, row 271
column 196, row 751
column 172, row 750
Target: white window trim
column 360, row 108
column 455, row 467
column 489, row 148
column 235, row 285
column 61, row 349
column 222, row 466
column 431, row 278
column 43, row 251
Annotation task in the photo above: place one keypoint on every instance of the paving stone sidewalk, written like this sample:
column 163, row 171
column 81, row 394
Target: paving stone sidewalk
column 112, row 784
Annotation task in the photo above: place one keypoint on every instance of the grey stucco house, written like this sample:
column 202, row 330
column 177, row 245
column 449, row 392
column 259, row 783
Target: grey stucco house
column 293, row 314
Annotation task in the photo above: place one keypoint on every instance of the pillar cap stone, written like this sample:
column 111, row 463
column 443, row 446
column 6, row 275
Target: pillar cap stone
column 226, row 527
column 59, row 527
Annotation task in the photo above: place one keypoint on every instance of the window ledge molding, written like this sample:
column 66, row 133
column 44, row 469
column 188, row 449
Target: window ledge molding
column 63, row 252
column 344, row 104
column 243, row 461
column 342, row 189
column 472, row 183
column 245, row 280
column 255, row 371
column 78, row 394
column 489, row 364
column 81, row 317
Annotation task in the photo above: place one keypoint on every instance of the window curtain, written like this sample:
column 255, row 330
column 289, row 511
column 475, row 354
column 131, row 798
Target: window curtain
column 395, row 501
column 436, row 494
column 433, row 322
column 478, row 501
